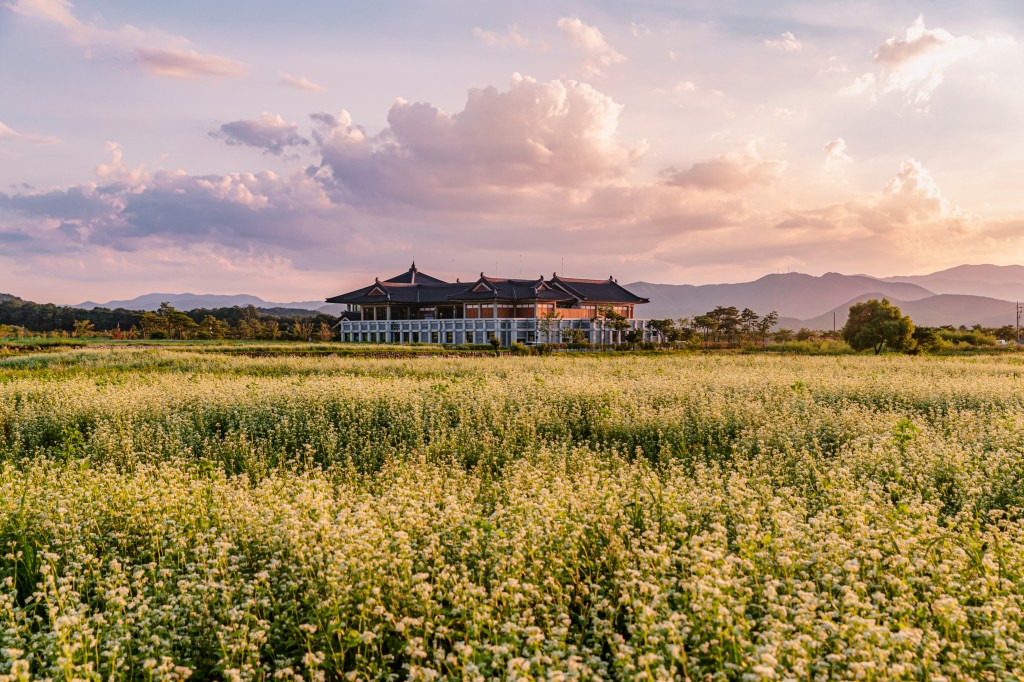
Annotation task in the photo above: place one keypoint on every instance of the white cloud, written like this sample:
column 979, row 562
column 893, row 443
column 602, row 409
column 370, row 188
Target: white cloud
column 864, row 83
column 300, row 83
column 916, row 64
column 600, row 54
column 787, row 43
column 158, row 53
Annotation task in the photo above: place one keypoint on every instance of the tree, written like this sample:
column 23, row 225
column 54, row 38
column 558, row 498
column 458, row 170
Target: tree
column 550, row 321
column 84, row 328
column 302, row 330
column 748, row 324
column 707, row 323
column 765, row 324
column 618, row 322
column 875, row 324
column 212, row 328
column 665, row 329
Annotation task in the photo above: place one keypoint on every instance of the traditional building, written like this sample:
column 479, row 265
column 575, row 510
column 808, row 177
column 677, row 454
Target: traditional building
column 415, row 307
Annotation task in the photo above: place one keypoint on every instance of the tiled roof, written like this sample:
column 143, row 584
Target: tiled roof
column 391, row 292
column 596, row 290
column 415, row 287
column 414, row 276
column 491, row 288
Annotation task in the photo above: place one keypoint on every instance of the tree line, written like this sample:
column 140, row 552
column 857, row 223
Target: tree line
column 723, row 324
column 18, row 316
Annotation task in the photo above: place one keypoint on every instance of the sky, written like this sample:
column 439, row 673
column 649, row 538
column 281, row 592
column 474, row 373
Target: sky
column 297, row 151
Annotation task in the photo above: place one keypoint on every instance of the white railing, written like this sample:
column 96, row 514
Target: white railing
column 525, row 330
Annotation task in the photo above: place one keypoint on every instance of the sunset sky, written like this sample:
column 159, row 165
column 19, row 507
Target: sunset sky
column 294, row 151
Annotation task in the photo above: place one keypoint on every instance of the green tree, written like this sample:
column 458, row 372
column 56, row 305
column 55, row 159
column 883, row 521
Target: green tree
column 212, row 328
column 764, row 326
column 707, row 323
column 728, row 322
column 748, row 324
column 665, row 329
column 875, row 324
column 783, row 335
column 616, row 321
column 548, row 323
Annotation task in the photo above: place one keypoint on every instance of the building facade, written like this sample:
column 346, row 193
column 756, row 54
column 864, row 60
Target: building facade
column 415, row 307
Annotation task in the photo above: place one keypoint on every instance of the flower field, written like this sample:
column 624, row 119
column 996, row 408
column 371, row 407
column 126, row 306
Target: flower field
column 168, row 514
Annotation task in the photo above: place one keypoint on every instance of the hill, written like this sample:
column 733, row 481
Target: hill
column 189, row 301
column 792, row 295
column 991, row 281
column 934, row 311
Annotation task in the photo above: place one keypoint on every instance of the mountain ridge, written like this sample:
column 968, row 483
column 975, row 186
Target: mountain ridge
column 190, row 301
column 963, row 295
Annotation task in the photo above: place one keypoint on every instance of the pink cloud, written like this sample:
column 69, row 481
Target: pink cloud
column 787, row 43
column 558, row 134
column 727, row 172
column 9, row 133
column 300, row 83
column 186, row 64
column 600, row 55
column 510, row 37
column 158, row 53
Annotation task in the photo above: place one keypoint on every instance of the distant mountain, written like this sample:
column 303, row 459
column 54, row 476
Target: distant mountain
column 992, row 281
column 792, row 295
column 934, row 311
column 193, row 301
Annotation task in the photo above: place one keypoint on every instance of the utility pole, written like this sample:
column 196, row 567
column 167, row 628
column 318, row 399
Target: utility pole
column 1020, row 309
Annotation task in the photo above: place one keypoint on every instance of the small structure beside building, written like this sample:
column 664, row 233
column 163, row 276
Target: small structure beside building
column 415, row 307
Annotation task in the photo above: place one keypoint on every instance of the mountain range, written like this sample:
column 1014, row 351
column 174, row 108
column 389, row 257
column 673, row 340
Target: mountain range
column 192, row 301
column 963, row 295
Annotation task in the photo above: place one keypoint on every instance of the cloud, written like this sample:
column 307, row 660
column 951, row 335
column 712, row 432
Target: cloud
column 788, row 43
column 118, row 171
column 270, row 133
column 600, row 54
column 300, row 83
column 9, row 133
column 537, row 168
column 533, row 135
column 865, row 83
column 157, row 53
column 186, row 64
column 511, row 37
column 835, row 152
column 727, row 172
column 913, row 196
column 916, row 64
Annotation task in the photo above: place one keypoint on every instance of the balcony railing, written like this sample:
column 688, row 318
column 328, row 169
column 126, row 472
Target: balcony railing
column 525, row 330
